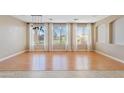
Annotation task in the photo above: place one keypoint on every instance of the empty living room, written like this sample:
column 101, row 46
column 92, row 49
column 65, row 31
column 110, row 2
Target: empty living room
column 61, row 46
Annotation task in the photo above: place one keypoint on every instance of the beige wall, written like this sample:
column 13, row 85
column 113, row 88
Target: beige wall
column 12, row 36
column 118, row 31
column 109, row 48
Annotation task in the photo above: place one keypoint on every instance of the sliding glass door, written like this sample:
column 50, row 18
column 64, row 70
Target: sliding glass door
column 59, row 37
column 83, row 37
column 39, row 37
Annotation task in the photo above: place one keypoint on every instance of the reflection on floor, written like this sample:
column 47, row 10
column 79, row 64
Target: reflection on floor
column 60, row 61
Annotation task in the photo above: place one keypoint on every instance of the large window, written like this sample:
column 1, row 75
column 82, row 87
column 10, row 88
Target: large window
column 83, row 36
column 60, row 37
column 39, row 36
column 60, row 34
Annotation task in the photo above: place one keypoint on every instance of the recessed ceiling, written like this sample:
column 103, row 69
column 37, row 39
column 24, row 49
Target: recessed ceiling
column 63, row 18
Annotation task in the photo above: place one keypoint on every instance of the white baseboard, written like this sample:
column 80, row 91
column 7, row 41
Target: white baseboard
column 114, row 58
column 18, row 53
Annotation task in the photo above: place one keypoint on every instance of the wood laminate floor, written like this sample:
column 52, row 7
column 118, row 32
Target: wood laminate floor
column 63, row 61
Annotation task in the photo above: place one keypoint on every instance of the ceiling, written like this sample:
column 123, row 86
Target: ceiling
column 63, row 18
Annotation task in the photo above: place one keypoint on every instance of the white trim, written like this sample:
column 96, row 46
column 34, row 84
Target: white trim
column 18, row 53
column 114, row 58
